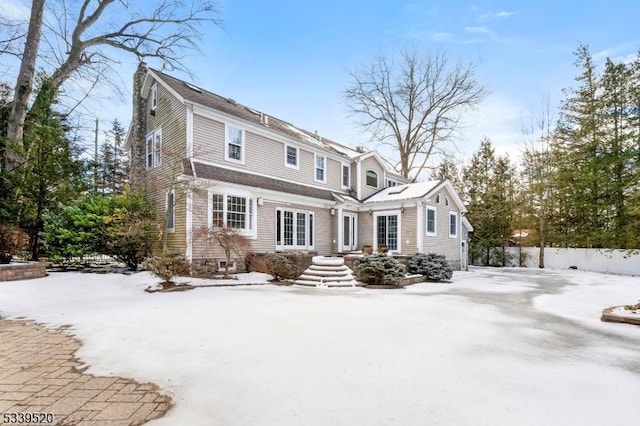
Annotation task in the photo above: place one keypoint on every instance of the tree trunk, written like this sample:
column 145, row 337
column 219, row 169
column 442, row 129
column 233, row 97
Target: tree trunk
column 24, row 82
column 541, row 253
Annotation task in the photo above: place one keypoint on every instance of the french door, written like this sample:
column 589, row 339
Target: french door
column 387, row 227
column 349, row 232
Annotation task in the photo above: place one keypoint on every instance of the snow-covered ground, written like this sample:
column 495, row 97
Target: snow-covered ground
column 496, row 347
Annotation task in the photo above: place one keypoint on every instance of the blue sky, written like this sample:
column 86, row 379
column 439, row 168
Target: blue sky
column 291, row 59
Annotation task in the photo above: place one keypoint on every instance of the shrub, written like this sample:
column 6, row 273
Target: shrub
column 379, row 269
column 281, row 268
column 120, row 226
column 434, row 267
column 12, row 241
column 167, row 267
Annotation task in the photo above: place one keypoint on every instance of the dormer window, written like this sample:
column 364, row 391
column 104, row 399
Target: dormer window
column 154, row 97
column 372, row 179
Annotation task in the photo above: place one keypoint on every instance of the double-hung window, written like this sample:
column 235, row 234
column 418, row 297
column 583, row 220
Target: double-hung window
column 294, row 230
column 453, row 224
column 171, row 210
column 154, row 97
column 291, row 156
column 346, row 176
column 234, row 148
column 431, row 221
column 320, row 168
column 234, row 212
column 154, row 149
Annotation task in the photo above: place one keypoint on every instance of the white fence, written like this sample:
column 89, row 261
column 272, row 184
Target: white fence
column 609, row 261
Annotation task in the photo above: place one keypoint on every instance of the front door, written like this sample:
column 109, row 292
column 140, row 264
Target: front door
column 349, row 232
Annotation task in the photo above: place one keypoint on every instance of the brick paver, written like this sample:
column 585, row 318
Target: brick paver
column 39, row 373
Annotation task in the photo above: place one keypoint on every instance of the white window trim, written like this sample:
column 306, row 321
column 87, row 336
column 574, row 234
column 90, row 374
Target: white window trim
column 152, row 136
column 315, row 168
column 227, row 141
column 435, row 221
column 292, row 166
column 366, row 178
column 154, row 97
column 249, row 233
column 295, row 246
column 343, row 165
column 173, row 208
column 457, row 225
column 375, row 228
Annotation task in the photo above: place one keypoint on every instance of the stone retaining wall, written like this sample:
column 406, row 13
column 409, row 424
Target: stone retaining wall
column 22, row 271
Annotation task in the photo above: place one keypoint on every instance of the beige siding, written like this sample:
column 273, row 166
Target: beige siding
column 408, row 231
column 208, row 138
column 170, row 116
column 266, row 230
column 262, row 155
column 365, row 229
column 371, row 164
column 441, row 243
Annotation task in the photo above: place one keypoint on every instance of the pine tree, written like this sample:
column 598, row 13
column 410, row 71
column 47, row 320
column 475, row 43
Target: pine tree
column 448, row 169
column 49, row 173
column 490, row 195
column 113, row 164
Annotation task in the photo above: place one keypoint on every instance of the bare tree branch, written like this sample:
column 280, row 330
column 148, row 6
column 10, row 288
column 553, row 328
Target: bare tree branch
column 413, row 103
column 75, row 40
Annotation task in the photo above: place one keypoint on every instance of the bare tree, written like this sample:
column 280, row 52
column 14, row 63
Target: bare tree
column 413, row 103
column 24, row 82
column 82, row 38
column 537, row 164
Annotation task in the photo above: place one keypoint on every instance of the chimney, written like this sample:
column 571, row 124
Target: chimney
column 137, row 153
column 361, row 149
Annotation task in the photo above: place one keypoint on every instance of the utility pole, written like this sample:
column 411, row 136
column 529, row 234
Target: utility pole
column 95, row 161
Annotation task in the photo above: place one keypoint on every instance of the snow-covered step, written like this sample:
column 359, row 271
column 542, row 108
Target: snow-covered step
column 327, row 272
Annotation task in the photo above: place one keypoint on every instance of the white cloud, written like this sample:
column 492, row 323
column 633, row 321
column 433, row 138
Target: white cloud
column 504, row 14
column 482, row 30
column 498, row 15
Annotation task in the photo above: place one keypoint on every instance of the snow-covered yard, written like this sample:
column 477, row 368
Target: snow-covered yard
column 496, row 347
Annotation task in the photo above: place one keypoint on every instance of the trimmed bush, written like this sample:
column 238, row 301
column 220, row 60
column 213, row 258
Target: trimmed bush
column 281, row 268
column 434, row 267
column 167, row 267
column 379, row 269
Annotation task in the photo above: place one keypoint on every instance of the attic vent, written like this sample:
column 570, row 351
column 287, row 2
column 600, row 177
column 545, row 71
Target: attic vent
column 264, row 119
column 399, row 190
column 361, row 149
column 192, row 87
column 232, row 101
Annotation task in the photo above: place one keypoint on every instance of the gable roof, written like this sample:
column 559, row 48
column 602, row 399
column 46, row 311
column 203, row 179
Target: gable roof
column 186, row 91
column 416, row 190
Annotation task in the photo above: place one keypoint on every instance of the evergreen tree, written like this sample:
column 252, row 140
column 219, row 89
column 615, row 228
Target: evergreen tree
column 49, row 173
column 490, row 195
column 448, row 169
column 113, row 164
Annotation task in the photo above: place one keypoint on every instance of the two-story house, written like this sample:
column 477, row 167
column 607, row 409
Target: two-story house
column 206, row 160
